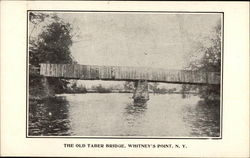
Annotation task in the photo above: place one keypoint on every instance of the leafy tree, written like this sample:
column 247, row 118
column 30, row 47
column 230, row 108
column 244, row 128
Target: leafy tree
column 51, row 45
column 154, row 87
column 128, row 86
column 210, row 62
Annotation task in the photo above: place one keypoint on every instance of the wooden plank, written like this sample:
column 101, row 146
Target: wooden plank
column 84, row 72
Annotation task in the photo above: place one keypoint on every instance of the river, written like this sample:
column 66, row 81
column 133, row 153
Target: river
column 114, row 114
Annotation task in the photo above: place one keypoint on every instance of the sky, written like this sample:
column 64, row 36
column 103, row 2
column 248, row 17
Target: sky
column 157, row 40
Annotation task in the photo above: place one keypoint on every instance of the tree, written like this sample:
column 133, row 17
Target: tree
column 128, row 86
column 51, row 45
column 210, row 62
column 154, row 87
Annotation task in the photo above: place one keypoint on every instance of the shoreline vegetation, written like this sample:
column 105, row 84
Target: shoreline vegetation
column 42, row 93
column 43, row 90
column 128, row 92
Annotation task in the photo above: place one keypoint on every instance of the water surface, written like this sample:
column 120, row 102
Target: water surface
column 115, row 114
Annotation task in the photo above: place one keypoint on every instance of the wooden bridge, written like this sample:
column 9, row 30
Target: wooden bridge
column 140, row 75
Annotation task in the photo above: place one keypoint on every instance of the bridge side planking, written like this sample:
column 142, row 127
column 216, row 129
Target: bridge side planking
column 123, row 73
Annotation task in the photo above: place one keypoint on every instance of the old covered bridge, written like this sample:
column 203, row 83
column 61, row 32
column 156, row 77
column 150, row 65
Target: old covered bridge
column 140, row 75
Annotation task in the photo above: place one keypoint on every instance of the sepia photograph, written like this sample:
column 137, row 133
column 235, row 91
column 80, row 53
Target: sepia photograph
column 124, row 74
column 124, row 79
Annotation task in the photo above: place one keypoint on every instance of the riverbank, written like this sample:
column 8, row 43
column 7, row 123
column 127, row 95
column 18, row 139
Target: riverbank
column 93, row 91
column 41, row 97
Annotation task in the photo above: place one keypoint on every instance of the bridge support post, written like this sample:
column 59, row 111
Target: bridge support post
column 141, row 94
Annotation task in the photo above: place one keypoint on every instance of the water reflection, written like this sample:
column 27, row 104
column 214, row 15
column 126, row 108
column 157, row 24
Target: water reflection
column 136, row 109
column 49, row 117
column 134, row 112
column 204, row 119
column 117, row 115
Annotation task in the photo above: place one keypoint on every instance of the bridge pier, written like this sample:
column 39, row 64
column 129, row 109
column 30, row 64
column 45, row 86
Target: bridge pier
column 141, row 94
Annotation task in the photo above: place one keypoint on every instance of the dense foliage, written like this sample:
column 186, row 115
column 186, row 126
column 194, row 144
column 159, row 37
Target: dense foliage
column 50, row 45
column 210, row 62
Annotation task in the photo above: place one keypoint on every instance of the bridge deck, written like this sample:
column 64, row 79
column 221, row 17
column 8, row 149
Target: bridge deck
column 88, row 72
